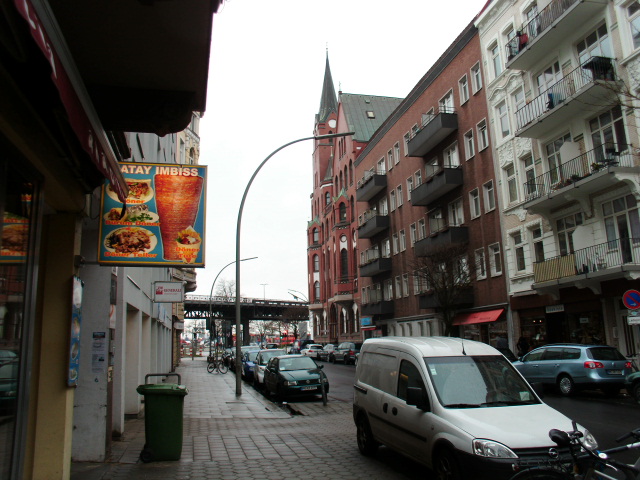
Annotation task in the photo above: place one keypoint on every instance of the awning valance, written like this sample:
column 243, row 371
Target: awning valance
column 477, row 317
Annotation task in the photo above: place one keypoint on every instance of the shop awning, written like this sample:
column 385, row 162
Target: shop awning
column 477, row 317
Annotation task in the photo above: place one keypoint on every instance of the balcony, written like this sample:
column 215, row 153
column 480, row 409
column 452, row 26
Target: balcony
column 590, row 266
column 548, row 29
column 443, row 181
column 434, row 129
column 431, row 301
column 373, row 182
column 446, row 236
column 375, row 266
column 579, row 178
column 592, row 85
column 370, row 223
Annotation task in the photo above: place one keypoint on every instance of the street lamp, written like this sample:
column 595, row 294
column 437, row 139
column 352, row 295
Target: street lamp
column 211, row 296
column 300, row 296
column 244, row 198
column 264, row 290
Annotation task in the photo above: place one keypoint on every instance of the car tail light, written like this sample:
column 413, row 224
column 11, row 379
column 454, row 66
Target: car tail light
column 627, row 365
column 591, row 364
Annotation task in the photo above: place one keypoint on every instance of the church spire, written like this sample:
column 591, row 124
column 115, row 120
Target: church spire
column 328, row 101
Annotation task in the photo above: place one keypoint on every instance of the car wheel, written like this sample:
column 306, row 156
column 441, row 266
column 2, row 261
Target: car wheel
column 256, row 383
column 566, row 385
column 332, row 359
column 366, row 443
column 635, row 392
column 445, row 465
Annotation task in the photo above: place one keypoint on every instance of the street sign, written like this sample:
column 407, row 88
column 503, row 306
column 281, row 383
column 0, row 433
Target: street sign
column 631, row 299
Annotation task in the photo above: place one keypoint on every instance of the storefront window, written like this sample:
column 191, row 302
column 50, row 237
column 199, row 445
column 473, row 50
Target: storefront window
column 16, row 197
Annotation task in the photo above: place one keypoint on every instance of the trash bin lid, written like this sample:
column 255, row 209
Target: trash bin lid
column 162, row 389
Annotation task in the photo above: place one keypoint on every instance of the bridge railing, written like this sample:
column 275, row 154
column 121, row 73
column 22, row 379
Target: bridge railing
column 244, row 300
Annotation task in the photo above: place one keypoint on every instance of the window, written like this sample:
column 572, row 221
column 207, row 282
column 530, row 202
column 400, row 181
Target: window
column 512, row 183
column 412, row 233
column 607, row 132
column 399, row 195
column 463, row 85
column 365, row 295
column 398, row 287
column 342, row 211
column 474, row 203
column 531, row 187
column 518, row 99
column 344, row 263
column 548, row 77
column 483, row 138
column 451, row 158
column 446, row 103
column 552, row 150
column 385, row 248
column 406, row 143
column 621, row 223
column 508, row 35
column 565, row 227
column 518, row 251
column 432, row 167
column 388, row 290
column 597, row 44
column 316, row 291
column 409, row 187
column 390, row 160
column 476, row 78
column 489, row 196
column 633, row 14
column 456, row 217
column 469, row 145
column 481, row 267
column 316, row 263
column 382, row 207
column 504, row 129
column 405, row 284
column 381, row 170
column 534, row 23
column 418, row 177
column 327, row 198
column 496, row 61
column 403, row 241
column 436, row 221
column 494, row 260
column 396, row 153
column 316, row 238
column 422, row 229
column 392, row 200
column 538, row 245
column 395, row 243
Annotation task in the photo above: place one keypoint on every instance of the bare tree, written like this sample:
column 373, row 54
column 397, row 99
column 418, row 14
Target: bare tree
column 226, row 288
column 446, row 273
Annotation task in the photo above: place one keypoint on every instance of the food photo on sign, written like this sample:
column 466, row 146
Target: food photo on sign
column 163, row 221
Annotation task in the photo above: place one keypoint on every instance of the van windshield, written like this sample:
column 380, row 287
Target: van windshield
column 478, row 382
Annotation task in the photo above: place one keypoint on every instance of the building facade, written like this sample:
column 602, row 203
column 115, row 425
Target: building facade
column 559, row 74
column 427, row 204
column 332, row 256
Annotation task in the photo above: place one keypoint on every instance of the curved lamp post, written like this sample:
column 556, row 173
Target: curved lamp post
column 299, row 296
column 211, row 295
column 244, row 197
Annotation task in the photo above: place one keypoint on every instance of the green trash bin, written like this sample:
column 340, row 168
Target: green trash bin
column 163, row 406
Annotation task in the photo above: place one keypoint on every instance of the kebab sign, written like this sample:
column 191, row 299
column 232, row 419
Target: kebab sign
column 163, row 221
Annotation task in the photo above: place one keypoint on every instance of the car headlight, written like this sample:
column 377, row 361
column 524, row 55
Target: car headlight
column 290, row 383
column 589, row 441
column 491, row 449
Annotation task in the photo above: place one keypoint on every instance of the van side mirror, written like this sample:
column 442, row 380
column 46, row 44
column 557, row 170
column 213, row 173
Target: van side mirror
column 416, row 396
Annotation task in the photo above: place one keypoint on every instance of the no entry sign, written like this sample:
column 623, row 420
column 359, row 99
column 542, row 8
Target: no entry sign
column 631, row 299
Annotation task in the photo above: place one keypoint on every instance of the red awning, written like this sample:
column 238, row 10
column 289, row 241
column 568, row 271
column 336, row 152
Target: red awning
column 477, row 317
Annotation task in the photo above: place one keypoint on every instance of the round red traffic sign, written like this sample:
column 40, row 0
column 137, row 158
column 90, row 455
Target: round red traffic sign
column 631, row 299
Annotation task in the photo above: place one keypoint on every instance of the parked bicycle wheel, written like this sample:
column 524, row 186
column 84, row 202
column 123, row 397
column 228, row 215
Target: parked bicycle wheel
column 222, row 368
column 211, row 367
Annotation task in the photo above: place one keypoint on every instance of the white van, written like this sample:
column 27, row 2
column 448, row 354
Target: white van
column 455, row 405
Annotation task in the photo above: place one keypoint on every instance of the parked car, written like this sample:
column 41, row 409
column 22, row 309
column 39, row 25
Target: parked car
column 8, row 381
column 345, row 353
column 243, row 350
column 458, row 407
column 633, row 386
column 311, row 350
column 508, row 353
column 248, row 362
column 292, row 375
column 572, row 366
column 260, row 364
column 326, row 352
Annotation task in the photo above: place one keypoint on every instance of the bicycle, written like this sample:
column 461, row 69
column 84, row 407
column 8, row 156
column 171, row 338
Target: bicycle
column 585, row 464
column 216, row 364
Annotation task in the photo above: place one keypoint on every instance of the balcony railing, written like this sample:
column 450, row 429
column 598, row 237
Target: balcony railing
column 435, row 127
column 579, row 168
column 597, row 258
column 368, row 175
column 595, row 69
column 537, row 25
column 373, row 182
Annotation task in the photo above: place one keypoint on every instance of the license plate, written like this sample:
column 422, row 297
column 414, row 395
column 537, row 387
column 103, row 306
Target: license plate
column 309, row 388
column 614, row 372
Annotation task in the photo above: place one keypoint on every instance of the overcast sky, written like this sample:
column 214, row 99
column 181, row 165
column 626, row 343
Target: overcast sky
column 265, row 81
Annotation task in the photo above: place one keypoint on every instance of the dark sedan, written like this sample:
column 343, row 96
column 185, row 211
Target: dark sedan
column 292, row 375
